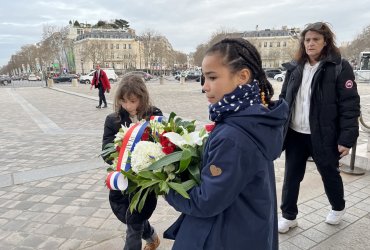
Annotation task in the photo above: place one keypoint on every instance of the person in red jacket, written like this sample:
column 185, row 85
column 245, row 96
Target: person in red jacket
column 101, row 81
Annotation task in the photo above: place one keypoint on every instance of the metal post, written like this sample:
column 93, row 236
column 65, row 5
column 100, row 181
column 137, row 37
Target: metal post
column 351, row 169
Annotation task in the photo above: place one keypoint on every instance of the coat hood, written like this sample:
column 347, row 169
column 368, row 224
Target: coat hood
column 264, row 126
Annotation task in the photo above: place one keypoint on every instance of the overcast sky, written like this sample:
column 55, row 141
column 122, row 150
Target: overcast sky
column 185, row 23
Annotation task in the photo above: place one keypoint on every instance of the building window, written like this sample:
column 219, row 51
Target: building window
column 124, row 46
column 129, row 46
column 111, row 46
column 284, row 44
column 278, row 44
column 271, row 43
column 112, row 55
column 117, row 46
column 265, row 44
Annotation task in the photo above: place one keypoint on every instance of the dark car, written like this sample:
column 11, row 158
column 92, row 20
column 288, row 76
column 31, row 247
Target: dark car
column 5, row 79
column 272, row 72
column 65, row 78
column 191, row 75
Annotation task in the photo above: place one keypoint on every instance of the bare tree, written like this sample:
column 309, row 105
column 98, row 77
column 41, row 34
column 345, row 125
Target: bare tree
column 359, row 44
column 148, row 40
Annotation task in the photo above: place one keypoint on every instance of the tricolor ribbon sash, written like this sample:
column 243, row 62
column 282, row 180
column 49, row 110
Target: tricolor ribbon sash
column 156, row 118
column 116, row 180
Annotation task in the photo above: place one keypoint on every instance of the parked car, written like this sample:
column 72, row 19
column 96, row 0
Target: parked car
column 146, row 76
column 280, row 77
column 272, row 72
column 5, row 79
column 16, row 78
column 111, row 74
column 189, row 75
column 65, row 78
column 32, row 77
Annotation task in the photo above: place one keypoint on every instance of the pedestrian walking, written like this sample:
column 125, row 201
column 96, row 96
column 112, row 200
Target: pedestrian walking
column 234, row 207
column 101, row 82
column 321, row 91
column 132, row 104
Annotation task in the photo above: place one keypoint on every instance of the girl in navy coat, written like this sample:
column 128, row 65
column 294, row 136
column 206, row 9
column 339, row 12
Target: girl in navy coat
column 234, row 208
column 132, row 104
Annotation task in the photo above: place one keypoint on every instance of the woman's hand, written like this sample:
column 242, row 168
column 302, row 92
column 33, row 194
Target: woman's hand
column 343, row 150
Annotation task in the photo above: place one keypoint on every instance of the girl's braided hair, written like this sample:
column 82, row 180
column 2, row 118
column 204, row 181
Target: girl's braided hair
column 238, row 54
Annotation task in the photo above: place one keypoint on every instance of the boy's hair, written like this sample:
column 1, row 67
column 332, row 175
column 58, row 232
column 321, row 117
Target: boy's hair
column 238, row 54
column 133, row 85
column 329, row 37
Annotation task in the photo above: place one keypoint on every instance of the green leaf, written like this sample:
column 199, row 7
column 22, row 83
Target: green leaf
column 108, row 151
column 179, row 189
column 172, row 115
column 146, row 184
column 135, row 200
column 130, row 176
column 160, row 175
column 108, row 146
column 184, row 161
column 163, row 187
column 166, row 160
column 187, row 185
column 142, row 200
column 147, row 175
column 195, row 172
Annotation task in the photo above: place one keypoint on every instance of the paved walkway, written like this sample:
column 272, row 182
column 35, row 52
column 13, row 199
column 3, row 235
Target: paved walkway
column 52, row 193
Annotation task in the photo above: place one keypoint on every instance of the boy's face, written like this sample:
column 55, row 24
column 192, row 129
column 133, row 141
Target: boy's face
column 130, row 104
column 218, row 78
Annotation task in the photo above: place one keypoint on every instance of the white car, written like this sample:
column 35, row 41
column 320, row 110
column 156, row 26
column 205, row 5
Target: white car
column 32, row 77
column 109, row 71
column 280, row 77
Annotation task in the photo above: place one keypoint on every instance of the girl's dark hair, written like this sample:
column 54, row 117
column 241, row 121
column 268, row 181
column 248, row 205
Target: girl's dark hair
column 133, row 85
column 238, row 54
column 329, row 37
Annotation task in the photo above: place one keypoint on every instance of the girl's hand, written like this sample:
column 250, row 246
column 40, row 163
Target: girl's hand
column 343, row 150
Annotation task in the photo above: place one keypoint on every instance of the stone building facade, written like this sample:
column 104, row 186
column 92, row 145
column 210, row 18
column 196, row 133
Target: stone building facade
column 116, row 49
column 275, row 46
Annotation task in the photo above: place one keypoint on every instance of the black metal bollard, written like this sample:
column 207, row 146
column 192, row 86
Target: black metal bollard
column 351, row 169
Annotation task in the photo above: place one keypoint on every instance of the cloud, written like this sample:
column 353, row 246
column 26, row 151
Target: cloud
column 185, row 23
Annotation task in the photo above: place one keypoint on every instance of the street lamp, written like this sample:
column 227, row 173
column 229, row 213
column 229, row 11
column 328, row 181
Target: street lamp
column 82, row 66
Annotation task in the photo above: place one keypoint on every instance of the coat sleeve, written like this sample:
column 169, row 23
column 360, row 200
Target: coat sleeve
column 110, row 131
column 216, row 192
column 348, row 106
column 93, row 79
column 105, row 80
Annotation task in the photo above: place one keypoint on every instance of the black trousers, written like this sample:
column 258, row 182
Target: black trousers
column 136, row 232
column 298, row 148
column 101, row 95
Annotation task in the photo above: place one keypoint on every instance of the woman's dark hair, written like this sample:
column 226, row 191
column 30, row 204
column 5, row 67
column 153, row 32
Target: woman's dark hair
column 329, row 37
column 133, row 85
column 238, row 54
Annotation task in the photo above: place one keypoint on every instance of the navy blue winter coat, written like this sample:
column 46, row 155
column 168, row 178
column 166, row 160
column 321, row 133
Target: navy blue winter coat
column 234, row 208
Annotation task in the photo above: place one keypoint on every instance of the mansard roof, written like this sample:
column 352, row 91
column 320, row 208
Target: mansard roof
column 268, row 33
column 106, row 34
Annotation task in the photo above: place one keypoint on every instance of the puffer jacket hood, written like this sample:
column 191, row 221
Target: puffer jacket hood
column 264, row 126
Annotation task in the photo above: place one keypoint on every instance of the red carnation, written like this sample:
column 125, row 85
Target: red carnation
column 145, row 136
column 209, row 127
column 118, row 148
column 167, row 146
